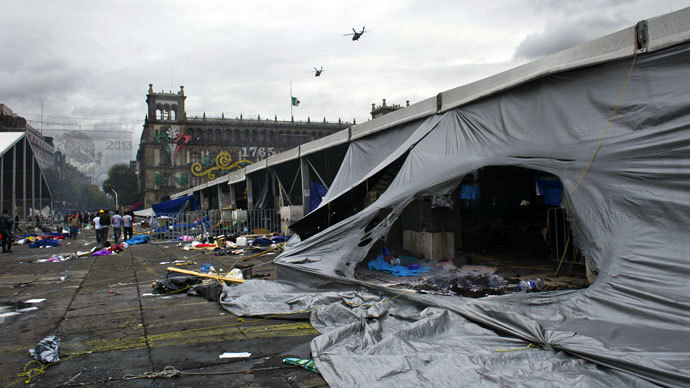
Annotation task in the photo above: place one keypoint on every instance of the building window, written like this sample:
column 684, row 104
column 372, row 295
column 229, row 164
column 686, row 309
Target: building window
column 196, row 157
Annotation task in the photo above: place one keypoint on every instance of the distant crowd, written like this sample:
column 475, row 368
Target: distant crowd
column 102, row 221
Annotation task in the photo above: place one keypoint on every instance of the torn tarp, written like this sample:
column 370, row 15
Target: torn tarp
column 630, row 213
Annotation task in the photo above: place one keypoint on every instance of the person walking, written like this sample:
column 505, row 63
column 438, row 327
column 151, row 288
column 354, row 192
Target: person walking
column 74, row 226
column 117, row 225
column 105, row 225
column 6, row 230
column 97, row 226
column 127, row 225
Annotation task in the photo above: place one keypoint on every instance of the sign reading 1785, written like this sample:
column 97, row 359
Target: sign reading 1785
column 257, row 153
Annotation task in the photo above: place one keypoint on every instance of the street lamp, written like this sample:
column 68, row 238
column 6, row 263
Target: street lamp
column 116, row 205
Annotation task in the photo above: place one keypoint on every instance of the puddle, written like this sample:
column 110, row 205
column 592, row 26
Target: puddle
column 8, row 309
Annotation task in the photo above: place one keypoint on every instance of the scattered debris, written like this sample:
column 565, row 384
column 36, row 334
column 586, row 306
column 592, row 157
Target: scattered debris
column 47, row 350
column 235, row 355
column 306, row 364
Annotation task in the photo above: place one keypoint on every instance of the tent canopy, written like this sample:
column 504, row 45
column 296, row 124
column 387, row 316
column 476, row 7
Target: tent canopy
column 172, row 207
column 628, row 180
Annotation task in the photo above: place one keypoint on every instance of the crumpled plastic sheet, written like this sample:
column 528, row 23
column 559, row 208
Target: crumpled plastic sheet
column 376, row 341
column 47, row 350
column 629, row 214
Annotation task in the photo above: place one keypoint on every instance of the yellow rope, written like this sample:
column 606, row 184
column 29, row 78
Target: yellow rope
column 586, row 170
column 129, row 343
column 170, row 371
column 530, row 346
column 29, row 373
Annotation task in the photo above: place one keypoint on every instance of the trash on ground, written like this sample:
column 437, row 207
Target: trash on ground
column 235, row 355
column 47, row 350
column 399, row 266
column 9, row 309
column 174, row 281
column 45, row 243
column 469, row 284
column 530, row 285
column 138, row 239
column 205, row 275
column 306, row 364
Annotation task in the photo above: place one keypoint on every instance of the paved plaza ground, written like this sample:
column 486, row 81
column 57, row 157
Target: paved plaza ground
column 110, row 325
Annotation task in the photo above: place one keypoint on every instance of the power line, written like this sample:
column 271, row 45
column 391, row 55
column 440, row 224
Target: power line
column 87, row 124
column 84, row 130
column 72, row 118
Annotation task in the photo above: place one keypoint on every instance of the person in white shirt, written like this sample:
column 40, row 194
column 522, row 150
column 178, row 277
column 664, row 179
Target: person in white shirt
column 97, row 226
column 127, row 226
column 117, row 225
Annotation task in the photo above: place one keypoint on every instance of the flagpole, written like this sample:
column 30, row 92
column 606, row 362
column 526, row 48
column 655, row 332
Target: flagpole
column 291, row 100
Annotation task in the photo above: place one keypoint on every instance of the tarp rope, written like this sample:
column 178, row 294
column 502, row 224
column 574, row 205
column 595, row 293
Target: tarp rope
column 586, row 170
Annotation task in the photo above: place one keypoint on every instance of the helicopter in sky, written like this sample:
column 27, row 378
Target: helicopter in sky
column 317, row 72
column 355, row 34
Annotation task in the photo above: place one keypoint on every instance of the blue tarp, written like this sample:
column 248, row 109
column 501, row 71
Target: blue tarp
column 138, row 239
column 44, row 243
column 316, row 193
column 551, row 190
column 379, row 264
column 174, row 206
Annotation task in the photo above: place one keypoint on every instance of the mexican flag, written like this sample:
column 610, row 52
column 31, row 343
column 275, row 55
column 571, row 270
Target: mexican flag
column 295, row 101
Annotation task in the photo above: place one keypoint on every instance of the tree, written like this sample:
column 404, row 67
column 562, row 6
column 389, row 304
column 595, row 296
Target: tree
column 123, row 180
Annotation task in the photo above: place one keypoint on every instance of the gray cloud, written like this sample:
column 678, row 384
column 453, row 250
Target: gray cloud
column 95, row 60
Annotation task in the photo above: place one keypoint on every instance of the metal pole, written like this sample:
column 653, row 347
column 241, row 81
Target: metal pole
column 24, row 181
column 40, row 189
column 33, row 183
column 306, row 193
column 116, row 202
column 14, row 181
column 291, row 99
column 2, row 182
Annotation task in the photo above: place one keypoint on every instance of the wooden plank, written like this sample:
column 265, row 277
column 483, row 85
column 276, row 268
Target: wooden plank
column 205, row 275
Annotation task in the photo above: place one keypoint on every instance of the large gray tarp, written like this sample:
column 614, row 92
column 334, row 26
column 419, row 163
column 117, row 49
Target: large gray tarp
column 630, row 215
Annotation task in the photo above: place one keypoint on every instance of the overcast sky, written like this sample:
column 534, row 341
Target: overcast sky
column 93, row 60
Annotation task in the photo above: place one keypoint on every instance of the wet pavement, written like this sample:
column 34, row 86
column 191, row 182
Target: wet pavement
column 112, row 328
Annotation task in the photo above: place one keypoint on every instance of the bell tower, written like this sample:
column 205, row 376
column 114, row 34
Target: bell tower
column 166, row 106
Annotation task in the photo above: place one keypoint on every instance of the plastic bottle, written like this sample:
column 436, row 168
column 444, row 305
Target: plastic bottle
column 528, row 285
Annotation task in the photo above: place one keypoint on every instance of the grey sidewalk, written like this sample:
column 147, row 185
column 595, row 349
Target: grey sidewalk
column 102, row 307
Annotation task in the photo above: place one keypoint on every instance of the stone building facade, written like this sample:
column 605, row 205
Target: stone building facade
column 177, row 152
